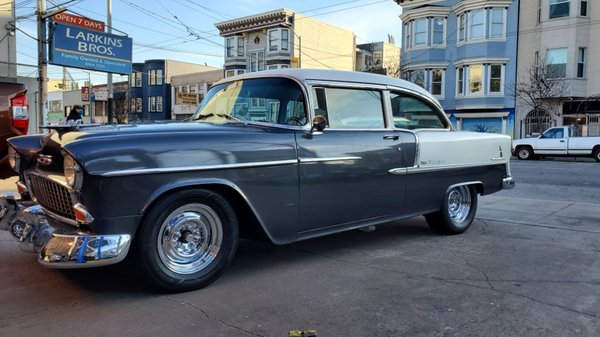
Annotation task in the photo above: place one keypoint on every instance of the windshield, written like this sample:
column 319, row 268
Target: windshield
column 268, row 100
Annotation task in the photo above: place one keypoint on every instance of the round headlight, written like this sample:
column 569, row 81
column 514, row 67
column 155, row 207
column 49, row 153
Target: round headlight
column 72, row 171
column 13, row 159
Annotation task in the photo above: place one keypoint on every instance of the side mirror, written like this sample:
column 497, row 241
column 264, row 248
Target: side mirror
column 319, row 123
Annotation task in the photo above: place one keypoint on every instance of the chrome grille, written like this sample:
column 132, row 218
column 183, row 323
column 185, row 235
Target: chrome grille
column 51, row 195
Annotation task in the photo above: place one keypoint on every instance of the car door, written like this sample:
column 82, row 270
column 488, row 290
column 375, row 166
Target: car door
column 552, row 142
column 344, row 171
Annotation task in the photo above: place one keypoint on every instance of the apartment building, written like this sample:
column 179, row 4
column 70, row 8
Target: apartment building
column 378, row 57
column 284, row 39
column 559, row 37
column 464, row 53
column 150, row 87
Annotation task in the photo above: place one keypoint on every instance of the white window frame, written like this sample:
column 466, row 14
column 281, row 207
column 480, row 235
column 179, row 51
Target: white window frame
column 243, row 46
column 152, row 104
column 159, row 77
column 489, row 79
column 433, row 25
column 502, row 35
column 470, row 25
column 407, row 35
column 442, row 83
column 255, row 55
column 273, row 37
column 468, row 78
column 581, row 58
column 461, row 22
column 460, row 83
column 230, row 46
column 138, row 104
column 556, row 3
column 425, row 33
column 548, row 59
column 159, row 103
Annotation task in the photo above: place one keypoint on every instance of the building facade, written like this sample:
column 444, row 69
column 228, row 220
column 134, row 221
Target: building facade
column 464, row 53
column 188, row 91
column 284, row 39
column 150, row 87
column 560, row 36
column 378, row 57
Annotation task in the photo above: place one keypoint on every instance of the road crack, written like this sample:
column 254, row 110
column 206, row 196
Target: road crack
column 205, row 314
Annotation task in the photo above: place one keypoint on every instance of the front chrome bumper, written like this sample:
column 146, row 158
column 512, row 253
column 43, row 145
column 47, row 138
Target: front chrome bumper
column 27, row 223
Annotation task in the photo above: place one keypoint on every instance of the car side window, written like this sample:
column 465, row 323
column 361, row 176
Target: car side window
column 411, row 112
column 553, row 133
column 346, row 108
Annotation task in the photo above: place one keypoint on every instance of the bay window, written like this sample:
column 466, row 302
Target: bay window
column 460, row 81
column 278, row 39
column 489, row 23
column 437, row 82
column 461, row 28
column 229, row 47
column 430, row 79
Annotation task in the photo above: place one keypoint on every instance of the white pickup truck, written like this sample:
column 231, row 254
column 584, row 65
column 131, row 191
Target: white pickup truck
column 557, row 141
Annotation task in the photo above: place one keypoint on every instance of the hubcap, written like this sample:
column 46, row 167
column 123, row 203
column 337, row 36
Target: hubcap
column 523, row 153
column 459, row 204
column 190, row 238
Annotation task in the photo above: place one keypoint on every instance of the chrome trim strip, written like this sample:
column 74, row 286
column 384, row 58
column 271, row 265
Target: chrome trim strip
column 466, row 183
column 195, row 168
column 318, row 160
column 497, row 158
column 398, row 171
column 412, row 170
column 60, row 218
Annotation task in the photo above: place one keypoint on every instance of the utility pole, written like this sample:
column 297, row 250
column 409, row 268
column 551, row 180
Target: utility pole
column 109, row 84
column 42, row 65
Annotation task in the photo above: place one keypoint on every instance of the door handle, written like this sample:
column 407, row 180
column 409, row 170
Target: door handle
column 391, row 137
column 562, row 141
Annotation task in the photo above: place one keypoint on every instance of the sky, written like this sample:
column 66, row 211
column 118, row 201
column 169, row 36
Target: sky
column 184, row 30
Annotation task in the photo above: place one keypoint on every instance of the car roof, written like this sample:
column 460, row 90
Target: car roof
column 305, row 75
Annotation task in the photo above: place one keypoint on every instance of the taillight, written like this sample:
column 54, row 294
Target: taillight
column 20, row 113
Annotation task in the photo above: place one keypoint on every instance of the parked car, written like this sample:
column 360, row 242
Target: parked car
column 290, row 154
column 14, row 120
column 557, row 142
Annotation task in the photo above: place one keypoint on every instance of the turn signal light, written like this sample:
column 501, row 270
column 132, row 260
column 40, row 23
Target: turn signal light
column 82, row 215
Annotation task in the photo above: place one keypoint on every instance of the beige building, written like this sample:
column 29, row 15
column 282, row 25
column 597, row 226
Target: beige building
column 378, row 57
column 189, row 90
column 560, row 35
column 282, row 39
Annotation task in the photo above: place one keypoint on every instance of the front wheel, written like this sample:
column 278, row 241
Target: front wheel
column 596, row 155
column 457, row 213
column 524, row 153
column 187, row 240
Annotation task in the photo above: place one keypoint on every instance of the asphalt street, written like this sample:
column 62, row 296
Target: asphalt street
column 529, row 266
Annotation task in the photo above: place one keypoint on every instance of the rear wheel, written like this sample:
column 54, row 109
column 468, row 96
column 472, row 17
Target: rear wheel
column 187, row 240
column 524, row 153
column 596, row 154
column 457, row 213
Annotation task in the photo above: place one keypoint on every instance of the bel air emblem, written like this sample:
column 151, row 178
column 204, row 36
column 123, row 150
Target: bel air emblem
column 44, row 159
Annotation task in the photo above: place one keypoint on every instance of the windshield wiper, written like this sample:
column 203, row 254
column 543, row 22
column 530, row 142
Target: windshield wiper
column 226, row 116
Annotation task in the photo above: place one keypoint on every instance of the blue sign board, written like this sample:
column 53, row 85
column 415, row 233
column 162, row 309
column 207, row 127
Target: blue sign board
column 89, row 49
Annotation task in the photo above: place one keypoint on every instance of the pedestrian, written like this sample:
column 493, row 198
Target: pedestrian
column 74, row 116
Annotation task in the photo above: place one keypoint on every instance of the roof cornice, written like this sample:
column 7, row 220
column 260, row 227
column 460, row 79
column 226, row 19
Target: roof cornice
column 469, row 5
column 254, row 22
column 423, row 12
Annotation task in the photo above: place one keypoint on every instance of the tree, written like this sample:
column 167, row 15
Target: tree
column 540, row 86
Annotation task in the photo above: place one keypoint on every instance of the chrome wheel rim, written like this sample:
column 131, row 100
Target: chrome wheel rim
column 459, row 205
column 523, row 153
column 190, row 238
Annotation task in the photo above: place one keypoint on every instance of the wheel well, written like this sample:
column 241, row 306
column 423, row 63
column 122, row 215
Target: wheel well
column 596, row 148
column 250, row 227
column 527, row 146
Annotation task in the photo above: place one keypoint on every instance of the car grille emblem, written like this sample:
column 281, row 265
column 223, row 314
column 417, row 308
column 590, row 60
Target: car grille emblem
column 44, row 159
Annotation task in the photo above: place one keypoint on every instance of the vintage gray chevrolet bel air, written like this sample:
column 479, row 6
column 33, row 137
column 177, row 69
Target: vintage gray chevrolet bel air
column 290, row 154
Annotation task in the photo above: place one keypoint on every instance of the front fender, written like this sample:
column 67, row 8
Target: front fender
column 204, row 183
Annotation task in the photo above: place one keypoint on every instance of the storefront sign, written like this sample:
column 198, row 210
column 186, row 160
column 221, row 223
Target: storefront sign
column 183, row 98
column 87, row 49
column 79, row 21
